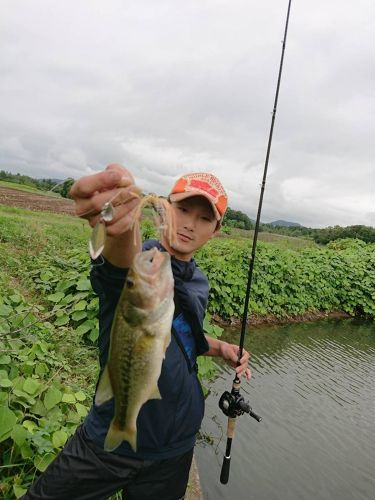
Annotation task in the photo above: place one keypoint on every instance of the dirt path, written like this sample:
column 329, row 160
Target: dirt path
column 33, row 201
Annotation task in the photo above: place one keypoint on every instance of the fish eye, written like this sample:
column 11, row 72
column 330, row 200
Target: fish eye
column 129, row 283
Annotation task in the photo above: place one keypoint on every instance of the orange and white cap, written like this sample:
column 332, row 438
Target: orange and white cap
column 202, row 184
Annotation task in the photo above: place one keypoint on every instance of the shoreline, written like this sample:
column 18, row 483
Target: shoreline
column 271, row 319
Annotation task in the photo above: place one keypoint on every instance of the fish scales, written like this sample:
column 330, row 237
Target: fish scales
column 140, row 335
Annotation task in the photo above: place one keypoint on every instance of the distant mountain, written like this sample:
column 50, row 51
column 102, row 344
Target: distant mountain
column 56, row 181
column 284, row 223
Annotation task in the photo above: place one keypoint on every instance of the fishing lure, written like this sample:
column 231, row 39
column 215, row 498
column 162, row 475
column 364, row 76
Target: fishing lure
column 163, row 220
column 99, row 233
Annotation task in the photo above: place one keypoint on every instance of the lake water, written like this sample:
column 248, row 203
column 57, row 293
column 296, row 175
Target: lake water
column 314, row 386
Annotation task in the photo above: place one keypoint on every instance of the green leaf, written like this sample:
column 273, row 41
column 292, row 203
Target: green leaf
column 26, row 451
column 39, row 408
column 64, row 285
column 78, row 315
column 19, row 434
column 41, row 463
column 81, row 410
column 46, row 276
column 7, row 421
column 80, row 396
column 55, row 297
column 68, row 398
column 5, row 382
column 41, row 369
column 5, row 310
column 85, row 327
column 3, row 397
column 52, row 397
column 31, row 386
column 5, row 328
column 30, row 426
column 73, row 417
column 94, row 334
column 5, row 359
column 80, row 306
column 16, row 299
column 59, row 439
column 18, row 490
column 62, row 320
column 83, row 284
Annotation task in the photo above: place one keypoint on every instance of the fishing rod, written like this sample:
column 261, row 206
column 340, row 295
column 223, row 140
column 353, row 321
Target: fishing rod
column 232, row 403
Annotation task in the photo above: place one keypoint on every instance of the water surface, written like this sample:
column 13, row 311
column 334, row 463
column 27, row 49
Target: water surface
column 313, row 384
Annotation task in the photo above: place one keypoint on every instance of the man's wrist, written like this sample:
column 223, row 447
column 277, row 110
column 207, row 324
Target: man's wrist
column 222, row 346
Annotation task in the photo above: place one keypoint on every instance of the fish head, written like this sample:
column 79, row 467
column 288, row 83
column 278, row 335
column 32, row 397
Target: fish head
column 150, row 279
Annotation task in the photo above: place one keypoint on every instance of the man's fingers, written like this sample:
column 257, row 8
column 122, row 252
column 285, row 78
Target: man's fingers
column 126, row 178
column 87, row 186
column 91, row 206
column 243, row 371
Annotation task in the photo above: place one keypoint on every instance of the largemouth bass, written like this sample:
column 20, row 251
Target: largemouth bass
column 140, row 335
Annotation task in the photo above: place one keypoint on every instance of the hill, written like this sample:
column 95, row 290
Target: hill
column 284, row 223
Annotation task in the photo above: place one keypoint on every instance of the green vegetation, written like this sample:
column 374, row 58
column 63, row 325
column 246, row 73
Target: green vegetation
column 48, row 332
column 236, row 218
column 287, row 282
column 364, row 233
column 25, row 188
column 26, row 183
column 239, row 220
column 48, row 325
column 280, row 240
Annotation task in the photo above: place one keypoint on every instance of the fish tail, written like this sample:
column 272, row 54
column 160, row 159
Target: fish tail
column 116, row 436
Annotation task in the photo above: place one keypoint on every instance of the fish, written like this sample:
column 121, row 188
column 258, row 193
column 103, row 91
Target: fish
column 140, row 335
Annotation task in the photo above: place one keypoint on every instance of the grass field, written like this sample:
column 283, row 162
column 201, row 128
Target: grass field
column 27, row 189
column 280, row 240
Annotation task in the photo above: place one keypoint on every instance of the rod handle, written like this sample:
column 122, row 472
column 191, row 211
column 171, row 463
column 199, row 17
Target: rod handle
column 224, row 476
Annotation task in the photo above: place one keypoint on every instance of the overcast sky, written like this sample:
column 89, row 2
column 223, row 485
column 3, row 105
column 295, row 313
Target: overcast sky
column 167, row 87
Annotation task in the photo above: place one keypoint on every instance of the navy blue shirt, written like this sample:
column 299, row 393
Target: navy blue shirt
column 165, row 427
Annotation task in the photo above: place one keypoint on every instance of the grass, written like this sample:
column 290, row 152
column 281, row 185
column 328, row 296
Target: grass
column 28, row 189
column 281, row 240
column 25, row 234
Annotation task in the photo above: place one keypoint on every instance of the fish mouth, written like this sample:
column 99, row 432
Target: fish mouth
column 148, row 263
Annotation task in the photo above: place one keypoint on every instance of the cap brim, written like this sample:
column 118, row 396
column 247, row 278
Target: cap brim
column 190, row 194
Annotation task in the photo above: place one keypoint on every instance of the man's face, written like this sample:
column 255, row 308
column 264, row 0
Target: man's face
column 195, row 224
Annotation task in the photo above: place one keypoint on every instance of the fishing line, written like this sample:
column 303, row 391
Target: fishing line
column 232, row 403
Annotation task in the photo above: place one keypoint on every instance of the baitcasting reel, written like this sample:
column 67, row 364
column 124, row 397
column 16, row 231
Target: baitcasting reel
column 233, row 405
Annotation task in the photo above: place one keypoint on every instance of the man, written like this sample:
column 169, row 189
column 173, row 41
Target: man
column 166, row 428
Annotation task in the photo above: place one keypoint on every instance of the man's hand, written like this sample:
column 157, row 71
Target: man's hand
column 229, row 352
column 115, row 183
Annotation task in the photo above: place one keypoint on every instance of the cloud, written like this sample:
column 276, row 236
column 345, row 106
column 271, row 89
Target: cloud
column 167, row 88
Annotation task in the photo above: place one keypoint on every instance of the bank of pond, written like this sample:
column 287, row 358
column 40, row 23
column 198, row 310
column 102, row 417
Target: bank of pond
column 287, row 283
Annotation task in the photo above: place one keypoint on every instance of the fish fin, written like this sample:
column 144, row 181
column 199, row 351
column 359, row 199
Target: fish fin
column 115, row 437
column 104, row 391
column 155, row 393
